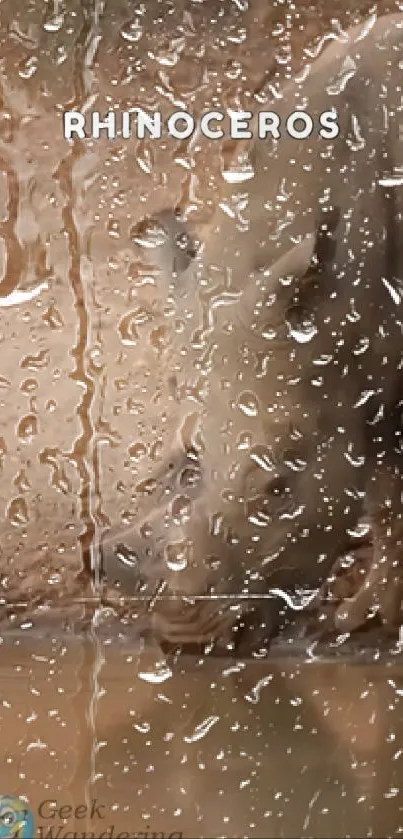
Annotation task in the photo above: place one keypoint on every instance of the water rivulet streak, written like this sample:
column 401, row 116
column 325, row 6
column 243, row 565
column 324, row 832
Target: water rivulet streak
column 82, row 450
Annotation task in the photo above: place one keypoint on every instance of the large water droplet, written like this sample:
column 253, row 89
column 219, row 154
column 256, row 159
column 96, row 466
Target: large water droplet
column 364, row 397
column 239, row 172
column 156, row 677
column 28, row 428
column 128, row 330
column 147, row 487
column 217, row 524
column 263, row 457
column 169, row 54
column 202, row 729
column 137, row 451
column 357, row 461
column 132, row 31
column 35, row 362
column 177, row 555
column 248, row 403
column 244, row 441
column 53, row 318
column 361, row 346
column 294, row 461
column 301, row 325
column 17, row 512
column 181, row 509
column 149, row 234
column 362, row 529
column 28, row 68
column 28, row 386
column 54, row 22
column 126, row 556
column 190, row 477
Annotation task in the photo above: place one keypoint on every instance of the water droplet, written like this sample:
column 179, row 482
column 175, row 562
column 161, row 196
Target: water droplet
column 36, row 362
column 29, row 386
column 202, row 729
column 3, row 451
column 169, row 54
column 54, row 579
column 323, row 360
column 241, row 171
column 269, row 333
column 146, row 531
column 59, row 480
column 147, row 487
column 357, row 461
column 394, row 293
column 300, row 325
column 145, row 160
column 126, row 556
column 149, row 234
column 54, row 23
column 263, row 457
column 137, row 451
column 113, row 229
column 364, row 397
column 28, row 68
column 361, row 346
column 355, row 493
column 362, row 530
column 95, row 361
column 159, row 338
column 17, row 512
column 21, row 482
column 134, row 407
column 248, row 403
column 255, row 694
column 177, row 555
column 294, row 462
column 244, row 441
column 393, row 180
column 132, row 31
column 160, row 674
column 156, row 450
column 28, row 428
column 181, row 509
column 128, row 330
column 217, row 525
column 53, row 318
column 189, row 477
column 60, row 55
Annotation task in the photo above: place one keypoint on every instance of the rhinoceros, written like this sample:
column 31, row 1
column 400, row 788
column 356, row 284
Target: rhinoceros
column 285, row 361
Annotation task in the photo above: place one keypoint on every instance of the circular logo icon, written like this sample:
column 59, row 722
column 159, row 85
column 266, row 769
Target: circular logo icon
column 16, row 821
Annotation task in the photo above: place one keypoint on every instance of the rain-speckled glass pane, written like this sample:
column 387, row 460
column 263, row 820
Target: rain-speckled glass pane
column 201, row 392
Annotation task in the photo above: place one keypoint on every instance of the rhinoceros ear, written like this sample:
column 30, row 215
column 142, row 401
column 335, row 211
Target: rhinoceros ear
column 168, row 243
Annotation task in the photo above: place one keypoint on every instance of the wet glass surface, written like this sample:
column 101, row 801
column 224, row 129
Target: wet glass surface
column 110, row 483
column 201, row 747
